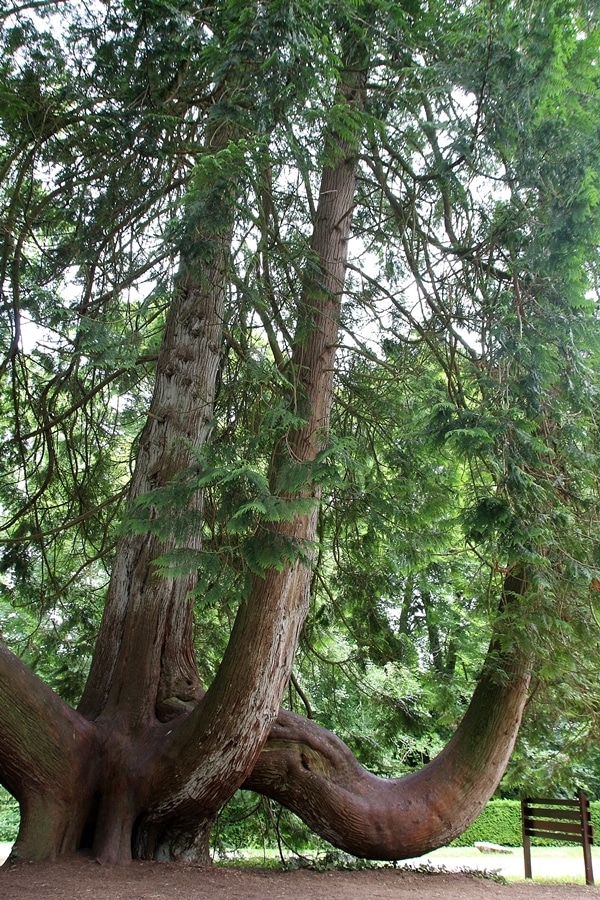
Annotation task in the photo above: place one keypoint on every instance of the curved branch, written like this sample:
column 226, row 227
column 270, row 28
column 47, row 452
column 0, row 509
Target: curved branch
column 48, row 754
column 312, row 772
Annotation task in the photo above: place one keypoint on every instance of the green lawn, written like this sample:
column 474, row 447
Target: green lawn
column 547, row 863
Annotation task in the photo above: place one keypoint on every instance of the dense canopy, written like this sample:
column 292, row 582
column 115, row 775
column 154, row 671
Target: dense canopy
column 299, row 374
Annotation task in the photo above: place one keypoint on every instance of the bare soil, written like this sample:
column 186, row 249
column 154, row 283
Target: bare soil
column 80, row 877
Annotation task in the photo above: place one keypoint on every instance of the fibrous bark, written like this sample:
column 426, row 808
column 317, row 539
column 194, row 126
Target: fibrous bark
column 302, row 765
column 312, row 772
column 160, row 785
column 233, row 720
column 49, row 757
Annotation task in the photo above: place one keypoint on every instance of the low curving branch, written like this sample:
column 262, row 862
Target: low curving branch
column 49, row 759
column 312, row 772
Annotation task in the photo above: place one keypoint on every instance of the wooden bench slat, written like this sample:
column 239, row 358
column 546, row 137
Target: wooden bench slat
column 566, row 814
column 544, row 824
column 556, row 836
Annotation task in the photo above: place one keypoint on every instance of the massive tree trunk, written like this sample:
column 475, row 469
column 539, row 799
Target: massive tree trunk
column 157, row 786
column 126, row 773
column 303, row 766
column 232, row 722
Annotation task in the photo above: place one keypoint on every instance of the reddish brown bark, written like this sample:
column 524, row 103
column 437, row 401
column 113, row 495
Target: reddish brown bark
column 231, row 723
column 48, row 759
column 144, row 649
column 161, row 785
column 301, row 765
column 310, row 771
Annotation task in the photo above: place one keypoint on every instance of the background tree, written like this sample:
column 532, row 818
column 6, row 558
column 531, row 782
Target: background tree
column 405, row 437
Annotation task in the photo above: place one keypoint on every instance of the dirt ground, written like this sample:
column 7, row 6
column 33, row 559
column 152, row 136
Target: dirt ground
column 77, row 877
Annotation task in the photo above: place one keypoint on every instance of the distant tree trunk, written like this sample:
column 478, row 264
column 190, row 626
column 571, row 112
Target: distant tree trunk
column 433, row 633
column 407, row 602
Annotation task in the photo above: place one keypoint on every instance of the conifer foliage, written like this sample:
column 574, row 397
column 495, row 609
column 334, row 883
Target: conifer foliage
column 298, row 394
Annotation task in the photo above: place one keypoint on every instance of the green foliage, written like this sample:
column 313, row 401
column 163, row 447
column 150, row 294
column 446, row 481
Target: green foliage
column 464, row 438
column 9, row 816
column 248, row 823
column 246, row 509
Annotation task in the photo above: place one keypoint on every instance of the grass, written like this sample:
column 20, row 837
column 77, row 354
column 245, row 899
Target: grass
column 550, row 865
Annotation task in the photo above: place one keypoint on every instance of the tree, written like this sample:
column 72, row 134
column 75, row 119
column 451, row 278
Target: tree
column 178, row 205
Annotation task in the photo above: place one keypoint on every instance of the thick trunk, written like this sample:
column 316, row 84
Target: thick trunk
column 144, row 669
column 69, row 771
column 144, row 661
column 143, row 654
column 159, row 785
column 230, row 725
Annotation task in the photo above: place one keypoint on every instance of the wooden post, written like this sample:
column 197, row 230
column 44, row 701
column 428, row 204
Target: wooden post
column 526, row 839
column 586, row 836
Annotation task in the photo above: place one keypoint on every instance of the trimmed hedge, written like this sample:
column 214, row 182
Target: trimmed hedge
column 500, row 823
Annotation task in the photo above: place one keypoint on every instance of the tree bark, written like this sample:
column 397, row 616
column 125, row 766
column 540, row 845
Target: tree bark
column 49, row 759
column 57, row 772
column 162, row 784
column 312, row 772
column 144, row 650
column 233, row 720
